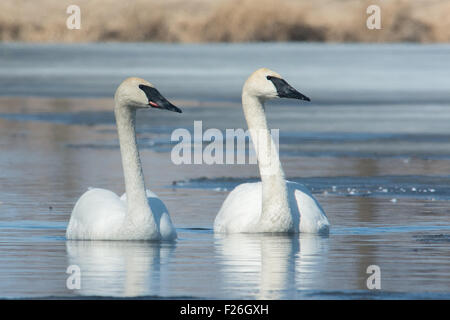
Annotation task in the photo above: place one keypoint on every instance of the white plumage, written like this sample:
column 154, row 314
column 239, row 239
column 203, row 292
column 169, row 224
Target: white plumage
column 241, row 210
column 274, row 204
column 139, row 214
column 100, row 214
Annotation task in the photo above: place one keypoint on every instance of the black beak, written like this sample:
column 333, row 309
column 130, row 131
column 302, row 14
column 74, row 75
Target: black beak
column 156, row 99
column 285, row 90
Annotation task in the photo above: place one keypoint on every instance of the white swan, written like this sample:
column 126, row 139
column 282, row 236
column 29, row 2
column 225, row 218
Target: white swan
column 274, row 204
column 139, row 214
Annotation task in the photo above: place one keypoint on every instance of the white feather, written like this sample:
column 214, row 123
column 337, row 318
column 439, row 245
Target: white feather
column 235, row 217
column 274, row 204
column 100, row 214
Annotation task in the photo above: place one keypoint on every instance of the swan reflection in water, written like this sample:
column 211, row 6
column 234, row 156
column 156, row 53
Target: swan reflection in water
column 121, row 268
column 271, row 266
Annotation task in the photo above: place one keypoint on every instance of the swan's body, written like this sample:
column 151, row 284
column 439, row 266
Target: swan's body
column 274, row 204
column 139, row 214
column 100, row 214
column 241, row 211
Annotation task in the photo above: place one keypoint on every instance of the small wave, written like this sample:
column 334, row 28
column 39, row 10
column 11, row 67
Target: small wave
column 390, row 229
column 196, row 230
column 373, row 294
column 32, row 225
column 433, row 238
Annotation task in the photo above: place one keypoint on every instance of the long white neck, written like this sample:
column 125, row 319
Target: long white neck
column 139, row 212
column 275, row 215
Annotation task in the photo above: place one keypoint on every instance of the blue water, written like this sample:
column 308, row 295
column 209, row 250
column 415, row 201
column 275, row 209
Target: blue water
column 373, row 147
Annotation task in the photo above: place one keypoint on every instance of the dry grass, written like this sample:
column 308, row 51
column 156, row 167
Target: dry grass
column 225, row 20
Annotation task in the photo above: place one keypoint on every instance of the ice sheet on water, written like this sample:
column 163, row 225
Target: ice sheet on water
column 393, row 187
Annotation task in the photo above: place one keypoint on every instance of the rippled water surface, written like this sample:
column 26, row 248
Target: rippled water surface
column 374, row 148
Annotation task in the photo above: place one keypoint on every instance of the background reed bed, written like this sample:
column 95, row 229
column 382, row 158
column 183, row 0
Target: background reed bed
column 225, row 21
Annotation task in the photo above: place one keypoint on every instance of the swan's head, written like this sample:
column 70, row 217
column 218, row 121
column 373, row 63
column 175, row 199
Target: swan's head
column 267, row 84
column 139, row 93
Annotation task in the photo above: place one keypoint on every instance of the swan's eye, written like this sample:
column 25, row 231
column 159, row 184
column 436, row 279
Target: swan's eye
column 269, row 77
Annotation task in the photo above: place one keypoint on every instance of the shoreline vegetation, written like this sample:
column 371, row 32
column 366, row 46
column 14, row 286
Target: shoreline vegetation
column 200, row 21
